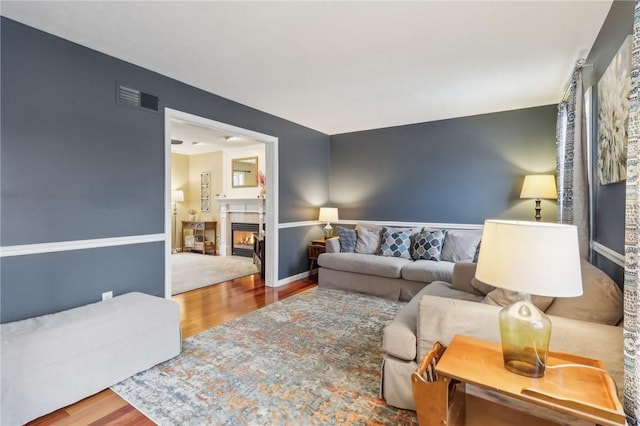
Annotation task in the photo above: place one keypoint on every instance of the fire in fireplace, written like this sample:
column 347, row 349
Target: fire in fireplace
column 242, row 236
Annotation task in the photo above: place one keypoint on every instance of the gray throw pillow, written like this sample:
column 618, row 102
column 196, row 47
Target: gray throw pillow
column 460, row 245
column 368, row 239
column 347, row 239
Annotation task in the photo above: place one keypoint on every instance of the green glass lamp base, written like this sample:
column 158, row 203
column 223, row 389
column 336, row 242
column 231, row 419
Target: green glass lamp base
column 525, row 333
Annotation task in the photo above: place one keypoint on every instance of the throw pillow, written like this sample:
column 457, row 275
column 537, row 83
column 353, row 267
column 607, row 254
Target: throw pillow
column 502, row 297
column 396, row 244
column 460, row 245
column 598, row 290
column 428, row 244
column 368, row 239
column 475, row 257
column 347, row 239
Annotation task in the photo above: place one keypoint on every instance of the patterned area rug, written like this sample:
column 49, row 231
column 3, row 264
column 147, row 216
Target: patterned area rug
column 311, row 359
column 190, row 271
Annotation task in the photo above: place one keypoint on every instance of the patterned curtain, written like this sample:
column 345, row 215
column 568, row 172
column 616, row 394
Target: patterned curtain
column 571, row 153
column 632, row 237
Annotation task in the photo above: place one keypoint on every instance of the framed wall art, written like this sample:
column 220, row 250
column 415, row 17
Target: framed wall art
column 614, row 89
column 205, row 191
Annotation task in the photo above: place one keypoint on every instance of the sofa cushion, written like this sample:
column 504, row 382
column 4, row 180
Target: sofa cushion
column 502, row 297
column 395, row 244
column 460, row 245
column 444, row 289
column 368, row 264
column 428, row 270
column 463, row 274
column 347, row 239
column 481, row 287
column 428, row 244
column 601, row 299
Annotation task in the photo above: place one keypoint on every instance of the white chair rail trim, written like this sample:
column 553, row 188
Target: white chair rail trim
column 27, row 249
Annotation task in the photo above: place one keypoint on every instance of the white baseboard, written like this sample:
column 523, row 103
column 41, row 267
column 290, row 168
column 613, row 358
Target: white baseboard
column 301, row 275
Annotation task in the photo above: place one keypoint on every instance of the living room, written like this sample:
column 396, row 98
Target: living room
column 77, row 166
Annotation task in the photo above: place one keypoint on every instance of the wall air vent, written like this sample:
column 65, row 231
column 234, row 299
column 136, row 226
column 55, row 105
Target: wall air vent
column 136, row 98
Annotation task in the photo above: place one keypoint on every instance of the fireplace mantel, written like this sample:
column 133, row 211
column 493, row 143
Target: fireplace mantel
column 234, row 208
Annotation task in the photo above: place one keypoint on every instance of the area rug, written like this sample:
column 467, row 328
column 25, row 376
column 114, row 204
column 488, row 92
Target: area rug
column 311, row 359
column 190, row 271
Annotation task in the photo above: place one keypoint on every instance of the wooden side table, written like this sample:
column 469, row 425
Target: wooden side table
column 575, row 389
column 318, row 242
column 315, row 249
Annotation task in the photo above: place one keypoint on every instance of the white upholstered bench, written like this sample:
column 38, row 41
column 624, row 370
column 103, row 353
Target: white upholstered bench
column 51, row 361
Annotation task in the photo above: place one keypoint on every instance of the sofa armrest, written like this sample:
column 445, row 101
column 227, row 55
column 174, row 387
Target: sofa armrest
column 332, row 245
column 440, row 318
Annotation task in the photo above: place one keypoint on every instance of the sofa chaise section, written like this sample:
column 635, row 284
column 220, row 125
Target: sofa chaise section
column 587, row 325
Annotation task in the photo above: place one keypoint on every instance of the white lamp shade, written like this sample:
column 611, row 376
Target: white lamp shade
column 328, row 214
column 177, row 196
column 530, row 257
column 539, row 186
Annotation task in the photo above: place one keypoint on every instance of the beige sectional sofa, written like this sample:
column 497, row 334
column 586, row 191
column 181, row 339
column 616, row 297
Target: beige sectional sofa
column 444, row 299
column 585, row 325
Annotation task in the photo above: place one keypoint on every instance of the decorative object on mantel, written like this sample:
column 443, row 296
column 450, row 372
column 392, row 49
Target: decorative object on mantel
column 328, row 214
column 192, row 215
column 176, row 197
column 262, row 183
column 526, row 258
column 538, row 187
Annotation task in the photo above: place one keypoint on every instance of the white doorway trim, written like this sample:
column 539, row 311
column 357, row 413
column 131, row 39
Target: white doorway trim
column 271, row 217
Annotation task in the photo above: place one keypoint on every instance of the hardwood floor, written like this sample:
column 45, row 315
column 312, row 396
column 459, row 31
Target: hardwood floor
column 199, row 310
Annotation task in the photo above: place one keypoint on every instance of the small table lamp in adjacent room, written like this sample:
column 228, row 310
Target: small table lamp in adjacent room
column 529, row 258
column 176, row 197
column 538, row 187
column 328, row 214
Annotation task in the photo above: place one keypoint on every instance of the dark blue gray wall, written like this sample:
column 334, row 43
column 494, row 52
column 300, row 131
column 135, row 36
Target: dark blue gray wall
column 609, row 200
column 75, row 165
column 461, row 170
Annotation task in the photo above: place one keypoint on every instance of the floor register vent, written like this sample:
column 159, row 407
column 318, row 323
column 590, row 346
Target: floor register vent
column 136, row 98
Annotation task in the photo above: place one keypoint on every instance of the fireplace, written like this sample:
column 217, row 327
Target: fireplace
column 242, row 236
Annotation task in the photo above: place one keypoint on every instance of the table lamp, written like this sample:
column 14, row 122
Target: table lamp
column 528, row 258
column 538, row 187
column 328, row 214
column 176, row 197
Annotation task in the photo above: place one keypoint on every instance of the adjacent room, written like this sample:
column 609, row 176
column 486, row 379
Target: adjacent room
column 319, row 213
column 217, row 189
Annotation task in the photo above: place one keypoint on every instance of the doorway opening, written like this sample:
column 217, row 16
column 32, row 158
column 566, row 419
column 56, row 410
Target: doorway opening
column 271, row 189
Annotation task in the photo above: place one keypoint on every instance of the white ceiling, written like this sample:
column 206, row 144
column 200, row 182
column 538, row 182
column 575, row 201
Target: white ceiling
column 197, row 139
column 343, row 66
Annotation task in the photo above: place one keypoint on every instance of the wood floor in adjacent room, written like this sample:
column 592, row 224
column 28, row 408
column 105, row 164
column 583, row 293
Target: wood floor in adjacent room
column 199, row 310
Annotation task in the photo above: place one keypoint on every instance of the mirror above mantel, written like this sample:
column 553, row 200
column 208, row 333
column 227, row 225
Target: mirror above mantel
column 244, row 172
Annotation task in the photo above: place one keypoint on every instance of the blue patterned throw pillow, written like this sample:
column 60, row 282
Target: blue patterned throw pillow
column 347, row 239
column 428, row 244
column 396, row 244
